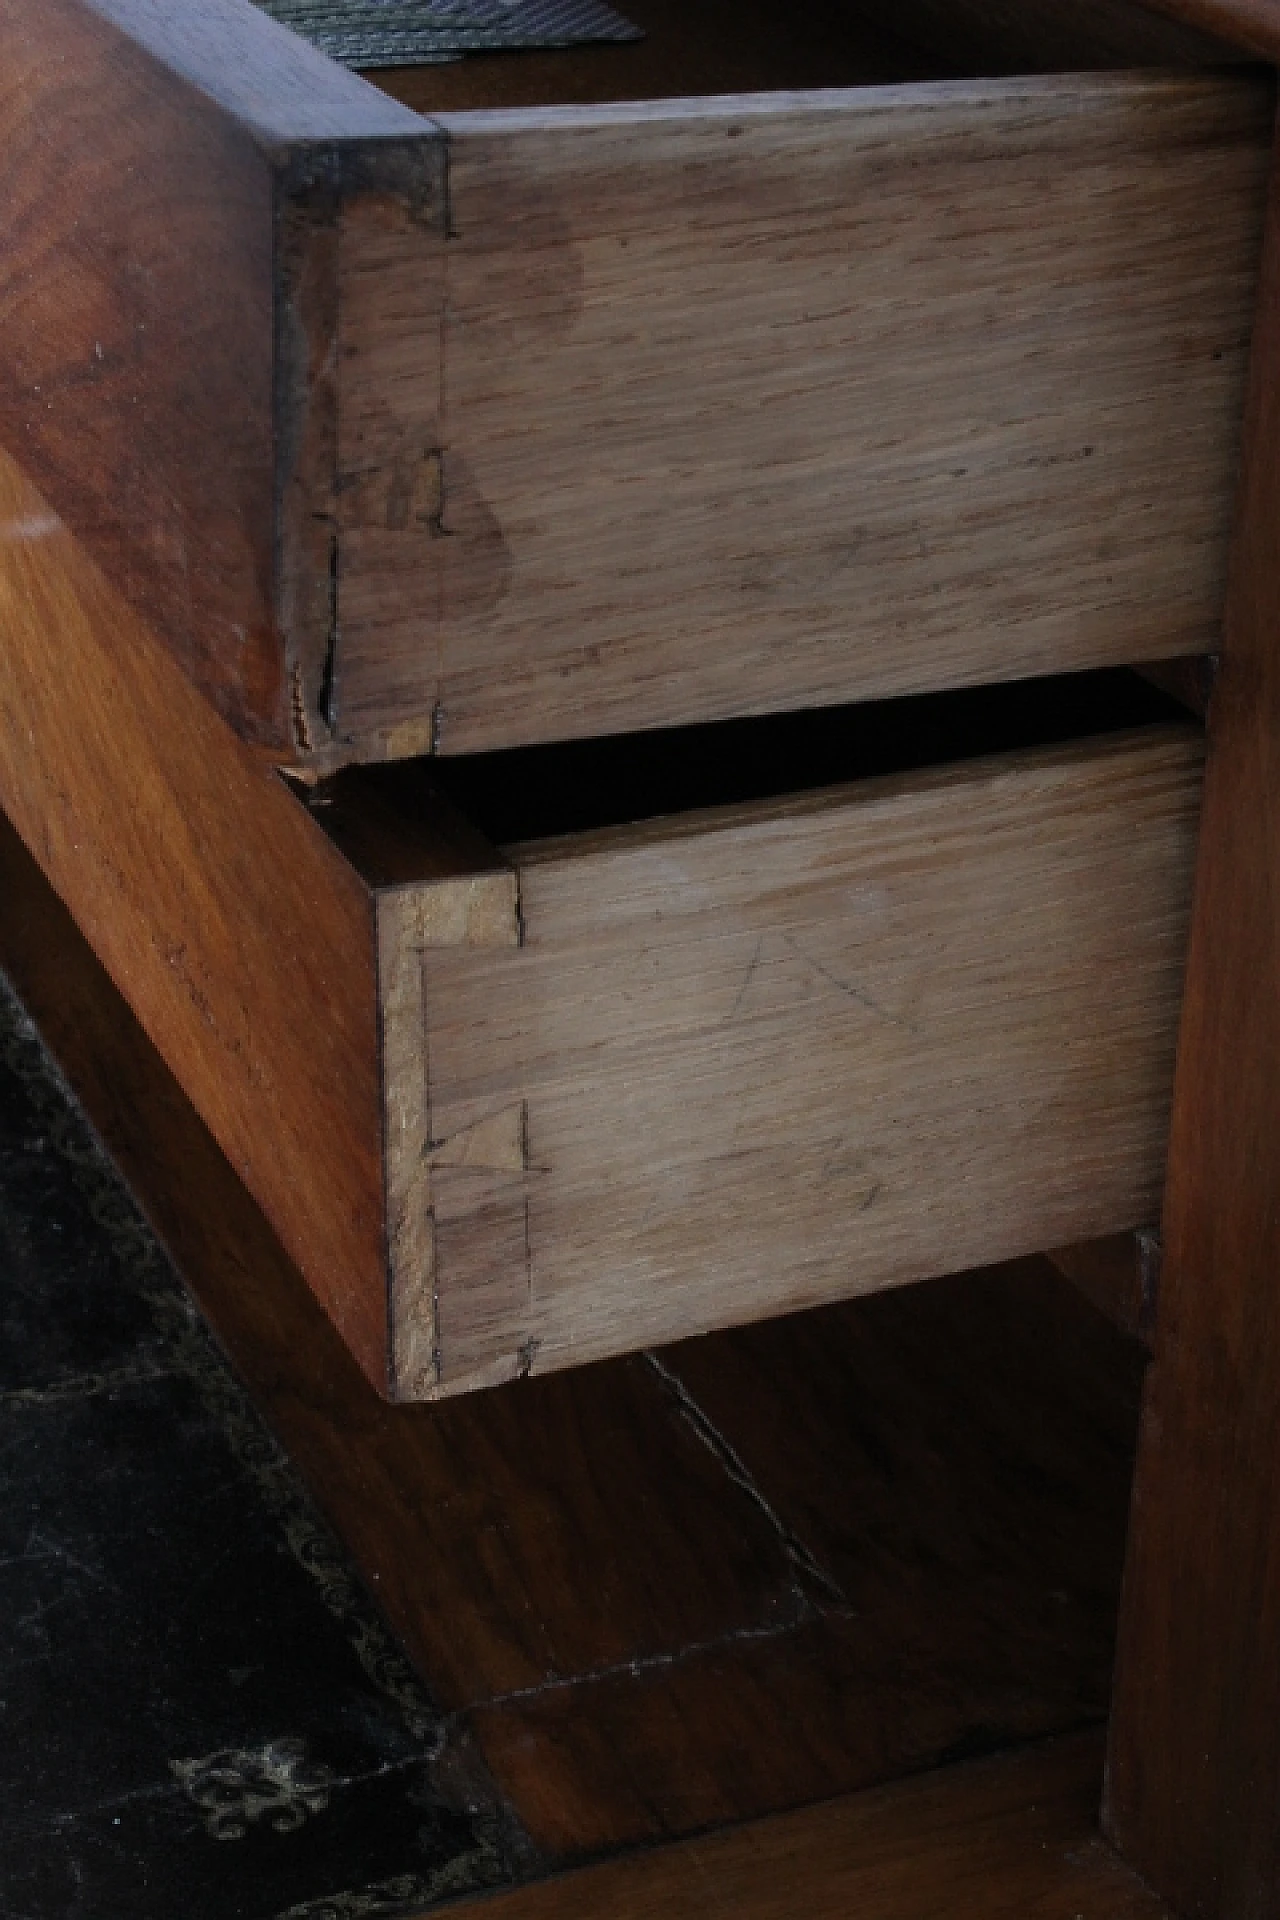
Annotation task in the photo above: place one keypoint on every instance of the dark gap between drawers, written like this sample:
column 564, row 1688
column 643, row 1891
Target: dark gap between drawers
column 534, row 793
column 705, row 48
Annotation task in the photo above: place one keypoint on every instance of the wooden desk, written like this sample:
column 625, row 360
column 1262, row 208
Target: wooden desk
column 221, row 395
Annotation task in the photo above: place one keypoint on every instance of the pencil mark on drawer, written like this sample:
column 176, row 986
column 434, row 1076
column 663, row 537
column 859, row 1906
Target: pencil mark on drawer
column 495, row 1143
column 850, row 1166
column 752, row 970
column 852, row 991
column 795, row 572
column 782, row 975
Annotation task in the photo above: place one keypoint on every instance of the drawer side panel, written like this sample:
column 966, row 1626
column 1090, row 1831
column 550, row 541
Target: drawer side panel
column 822, row 1049
column 774, row 402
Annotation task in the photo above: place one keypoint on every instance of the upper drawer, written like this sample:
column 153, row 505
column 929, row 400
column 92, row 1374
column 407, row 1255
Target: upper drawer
column 762, row 403
column 509, row 425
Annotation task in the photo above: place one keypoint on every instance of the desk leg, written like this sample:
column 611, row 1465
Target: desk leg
column 1193, row 1790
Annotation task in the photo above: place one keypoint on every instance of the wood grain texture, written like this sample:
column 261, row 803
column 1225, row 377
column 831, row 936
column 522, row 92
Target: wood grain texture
column 479, row 911
column 385, row 519
column 168, row 307
column 242, row 939
column 1194, row 1777
column 922, row 387
column 998, row 1841
column 747, row 1060
column 948, row 1467
column 630, row 1627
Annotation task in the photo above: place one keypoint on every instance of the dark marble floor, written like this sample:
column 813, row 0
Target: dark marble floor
column 200, row 1712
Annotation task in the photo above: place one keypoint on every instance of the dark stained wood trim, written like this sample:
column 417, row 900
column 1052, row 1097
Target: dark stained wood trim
column 1194, row 1777
column 999, row 1840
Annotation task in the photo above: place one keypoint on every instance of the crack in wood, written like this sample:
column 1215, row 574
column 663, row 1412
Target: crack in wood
column 801, row 1557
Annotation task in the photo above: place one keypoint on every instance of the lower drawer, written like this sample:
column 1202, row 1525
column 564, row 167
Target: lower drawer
column 646, row 1080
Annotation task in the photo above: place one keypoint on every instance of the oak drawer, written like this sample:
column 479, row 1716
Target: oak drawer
column 456, row 429
column 751, row 404
column 656, row 1078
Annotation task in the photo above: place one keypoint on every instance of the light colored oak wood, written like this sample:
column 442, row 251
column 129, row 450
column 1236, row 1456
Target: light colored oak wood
column 387, row 500
column 747, row 1060
column 777, row 401
column 465, row 913
column 1007, row 1839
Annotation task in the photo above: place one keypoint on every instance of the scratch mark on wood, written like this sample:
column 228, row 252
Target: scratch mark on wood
column 850, row 990
column 751, row 974
column 802, row 1559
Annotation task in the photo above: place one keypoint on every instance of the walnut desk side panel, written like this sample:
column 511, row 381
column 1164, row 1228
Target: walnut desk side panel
column 1194, row 1775
column 239, row 936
